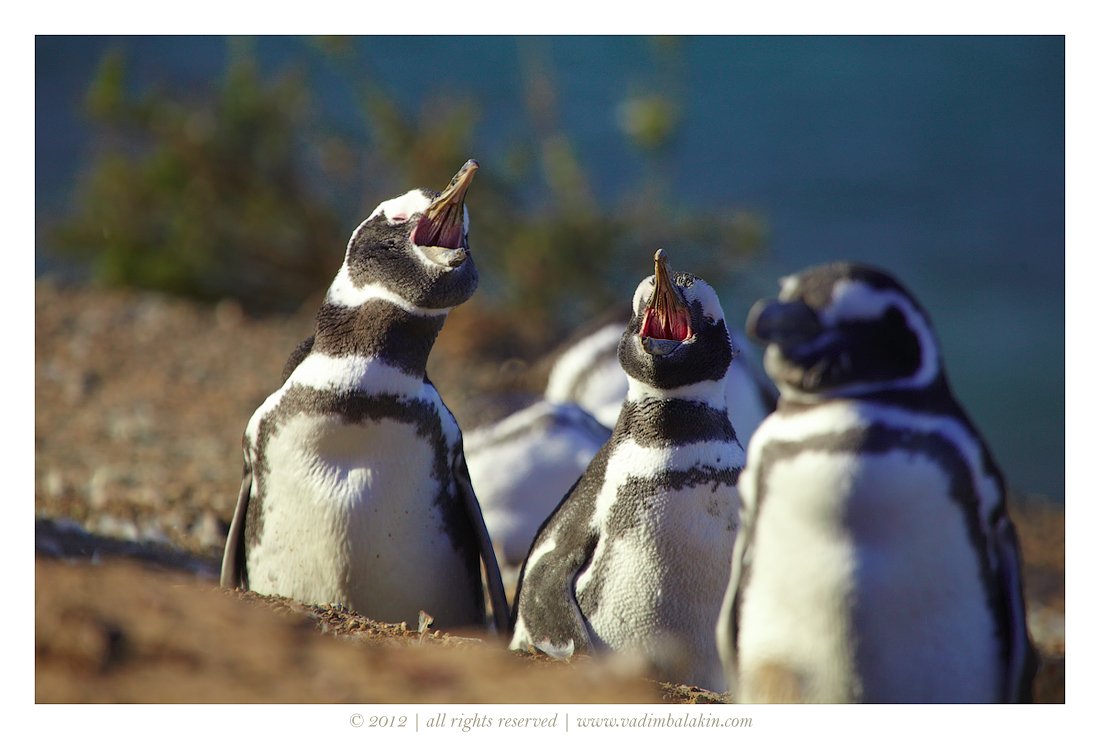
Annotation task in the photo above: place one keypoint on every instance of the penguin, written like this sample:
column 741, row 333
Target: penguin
column 588, row 374
column 520, row 467
column 636, row 556
column 876, row 561
column 355, row 488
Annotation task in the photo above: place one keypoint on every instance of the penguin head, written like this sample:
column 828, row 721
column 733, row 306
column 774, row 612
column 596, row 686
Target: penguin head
column 415, row 247
column 677, row 334
column 845, row 329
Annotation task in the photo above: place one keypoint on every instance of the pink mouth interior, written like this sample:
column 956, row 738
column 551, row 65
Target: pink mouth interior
column 675, row 325
column 445, row 231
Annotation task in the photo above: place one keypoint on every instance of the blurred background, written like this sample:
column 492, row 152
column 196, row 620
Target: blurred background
column 236, row 168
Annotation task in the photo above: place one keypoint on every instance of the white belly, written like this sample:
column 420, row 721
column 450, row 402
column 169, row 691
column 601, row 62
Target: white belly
column 864, row 586
column 660, row 584
column 349, row 517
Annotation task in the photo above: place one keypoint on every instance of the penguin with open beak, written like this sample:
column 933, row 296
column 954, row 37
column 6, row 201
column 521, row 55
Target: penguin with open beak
column 636, row 556
column 355, row 489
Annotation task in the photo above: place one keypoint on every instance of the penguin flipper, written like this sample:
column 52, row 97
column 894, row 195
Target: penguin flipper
column 546, row 602
column 497, row 598
column 548, row 615
column 1022, row 660
column 233, row 562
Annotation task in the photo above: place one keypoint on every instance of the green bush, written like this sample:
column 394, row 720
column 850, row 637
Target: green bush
column 206, row 198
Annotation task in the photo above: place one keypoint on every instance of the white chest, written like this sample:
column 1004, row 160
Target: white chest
column 864, row 581
column 657, row 576
column 350, row 514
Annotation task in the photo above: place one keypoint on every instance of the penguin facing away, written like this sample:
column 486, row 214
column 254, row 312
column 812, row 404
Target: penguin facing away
column 636, row 556
column 588, row 373
column 520, row 467
column 876, row 560
column 355, row 488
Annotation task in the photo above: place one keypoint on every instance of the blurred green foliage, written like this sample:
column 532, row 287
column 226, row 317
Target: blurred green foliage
column 235, row 192
column 205, row 198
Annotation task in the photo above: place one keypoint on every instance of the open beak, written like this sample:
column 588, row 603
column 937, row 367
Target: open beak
column 442, row 223
column 667, row 320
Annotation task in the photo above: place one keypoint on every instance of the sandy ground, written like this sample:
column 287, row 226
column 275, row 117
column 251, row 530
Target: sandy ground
column 140, row 401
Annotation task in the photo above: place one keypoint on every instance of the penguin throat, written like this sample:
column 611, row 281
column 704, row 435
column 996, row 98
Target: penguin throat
column 670, row 325
column 377, row 329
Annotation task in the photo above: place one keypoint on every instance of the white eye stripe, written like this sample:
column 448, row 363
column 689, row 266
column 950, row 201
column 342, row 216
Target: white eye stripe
column 403, row 207
column 852, row 300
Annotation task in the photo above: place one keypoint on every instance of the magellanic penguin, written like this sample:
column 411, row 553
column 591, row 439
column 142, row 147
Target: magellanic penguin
column 876, row 561
column 635, row 558
column 355, row 488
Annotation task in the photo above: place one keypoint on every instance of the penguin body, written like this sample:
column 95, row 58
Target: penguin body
column 522, row 465
column 876, row 560
column 355, row 488
column 635, row 557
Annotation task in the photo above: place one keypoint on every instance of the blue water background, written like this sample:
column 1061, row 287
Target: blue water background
column 941, row 159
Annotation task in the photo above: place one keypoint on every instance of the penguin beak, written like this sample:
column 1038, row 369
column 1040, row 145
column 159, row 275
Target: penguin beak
column 443, row 224
column 667, row 320
column 787, row 324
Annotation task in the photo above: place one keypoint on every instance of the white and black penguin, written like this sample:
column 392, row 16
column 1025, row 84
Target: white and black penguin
column 636, row 556
column 876, row 560
column 355, row 488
